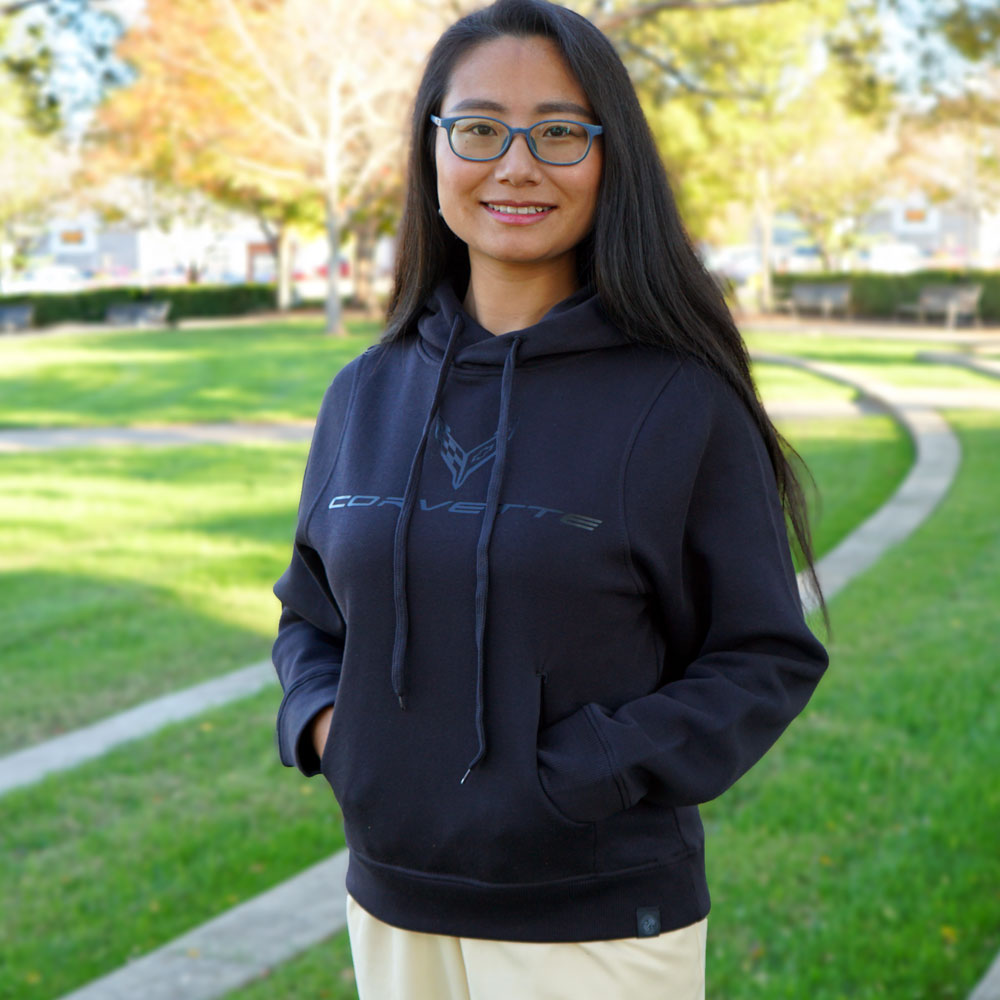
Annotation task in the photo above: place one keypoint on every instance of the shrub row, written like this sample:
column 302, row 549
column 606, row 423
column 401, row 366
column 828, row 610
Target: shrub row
column 186, row 301
column 877, row 295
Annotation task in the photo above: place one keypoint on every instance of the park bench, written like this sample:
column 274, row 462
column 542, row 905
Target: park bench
column 16, row 317
column 137, row 313
column 950, row 301
column 816, row 296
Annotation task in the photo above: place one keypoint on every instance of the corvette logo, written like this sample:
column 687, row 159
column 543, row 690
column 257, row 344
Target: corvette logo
column 462, row 463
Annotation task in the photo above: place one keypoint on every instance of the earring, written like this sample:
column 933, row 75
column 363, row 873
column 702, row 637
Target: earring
column 440, row 213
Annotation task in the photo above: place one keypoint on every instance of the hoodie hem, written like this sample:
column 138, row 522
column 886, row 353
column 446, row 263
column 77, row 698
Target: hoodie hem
column 589, row 908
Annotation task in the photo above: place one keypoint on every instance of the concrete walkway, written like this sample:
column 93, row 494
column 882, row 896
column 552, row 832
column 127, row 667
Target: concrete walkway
column 237, row 947
column 71, row 749
column 988, row 988
column 208, row 962
column 57, row 438
column 928, row 481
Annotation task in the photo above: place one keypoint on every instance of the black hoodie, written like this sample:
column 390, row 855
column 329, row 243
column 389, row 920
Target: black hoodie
column 544, row 580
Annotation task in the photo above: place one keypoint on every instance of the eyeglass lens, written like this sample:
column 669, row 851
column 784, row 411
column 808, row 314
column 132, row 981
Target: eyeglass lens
column 555, row 141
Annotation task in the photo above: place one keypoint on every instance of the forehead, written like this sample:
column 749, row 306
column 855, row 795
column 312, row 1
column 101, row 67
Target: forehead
column 514, row 74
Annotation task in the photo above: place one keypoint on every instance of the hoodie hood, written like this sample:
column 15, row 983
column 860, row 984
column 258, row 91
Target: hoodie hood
column 576, row 324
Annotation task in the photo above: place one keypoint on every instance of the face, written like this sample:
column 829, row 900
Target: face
column 520, row 81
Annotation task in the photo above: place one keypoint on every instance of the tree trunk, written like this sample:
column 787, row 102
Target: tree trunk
column 364, row 266
column 334, row 319
column 283, row 267
column 764, row 208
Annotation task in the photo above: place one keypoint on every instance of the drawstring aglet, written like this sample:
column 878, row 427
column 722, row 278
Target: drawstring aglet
column 402, row 702
column 467, row 773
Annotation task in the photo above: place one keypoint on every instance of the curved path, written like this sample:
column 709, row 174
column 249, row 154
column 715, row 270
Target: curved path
column 241, row 944
column 938, row 457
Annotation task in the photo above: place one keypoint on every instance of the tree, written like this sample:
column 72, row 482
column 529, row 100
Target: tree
column 33, row 170
column 60, row 54
column 301, row 101
column 752, row 114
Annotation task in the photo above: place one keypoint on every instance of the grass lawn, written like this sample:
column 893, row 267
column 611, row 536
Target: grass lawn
column 272, row 372
column 120, row 855
column 107, row 861
column 132, row 572
column 859, row 858
column 856, row 462
column 780, row 383
column 892, row 361
column 128, row 573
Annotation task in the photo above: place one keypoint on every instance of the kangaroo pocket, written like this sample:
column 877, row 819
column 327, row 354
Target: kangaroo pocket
column 397, row 776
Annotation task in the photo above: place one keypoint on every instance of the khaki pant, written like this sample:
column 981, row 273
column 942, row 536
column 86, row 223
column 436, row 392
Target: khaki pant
column 394, row 964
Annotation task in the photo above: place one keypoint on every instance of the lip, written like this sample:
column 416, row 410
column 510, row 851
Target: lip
column 516, row 219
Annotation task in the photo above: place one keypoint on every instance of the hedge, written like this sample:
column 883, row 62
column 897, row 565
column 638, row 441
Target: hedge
column 186, row 301
column 877, row 295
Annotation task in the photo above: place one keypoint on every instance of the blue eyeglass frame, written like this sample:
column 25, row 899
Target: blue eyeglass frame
column 591, row 130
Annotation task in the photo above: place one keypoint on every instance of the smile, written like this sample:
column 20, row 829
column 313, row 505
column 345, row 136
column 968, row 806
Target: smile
column 518, row 213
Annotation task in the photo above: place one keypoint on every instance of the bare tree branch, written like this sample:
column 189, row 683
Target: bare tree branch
column 643, row 11
column 267, row 71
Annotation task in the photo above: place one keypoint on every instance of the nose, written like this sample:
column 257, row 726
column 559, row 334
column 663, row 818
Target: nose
column 518, row 165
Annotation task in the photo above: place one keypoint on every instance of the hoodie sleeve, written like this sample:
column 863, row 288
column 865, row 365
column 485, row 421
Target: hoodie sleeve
column 708, row 541
column 308, row 650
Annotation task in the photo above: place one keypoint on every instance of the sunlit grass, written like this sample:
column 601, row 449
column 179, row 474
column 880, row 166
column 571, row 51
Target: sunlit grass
column 781, row 383
column 127, row 573
column 894, row 362
column 272, row 372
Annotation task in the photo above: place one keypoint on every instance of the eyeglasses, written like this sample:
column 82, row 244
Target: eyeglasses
column 554, row 141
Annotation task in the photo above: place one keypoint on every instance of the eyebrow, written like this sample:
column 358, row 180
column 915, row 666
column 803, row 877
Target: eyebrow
column 545, row 108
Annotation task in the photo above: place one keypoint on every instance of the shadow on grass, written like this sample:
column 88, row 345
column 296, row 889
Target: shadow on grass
column 77, row 648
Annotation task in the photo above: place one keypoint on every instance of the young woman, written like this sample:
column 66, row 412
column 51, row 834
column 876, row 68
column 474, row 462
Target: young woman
column 541, row 602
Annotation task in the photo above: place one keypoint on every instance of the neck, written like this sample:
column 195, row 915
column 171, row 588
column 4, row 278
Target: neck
column 504, row 297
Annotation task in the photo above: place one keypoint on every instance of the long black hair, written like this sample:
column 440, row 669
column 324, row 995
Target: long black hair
column 638, row 256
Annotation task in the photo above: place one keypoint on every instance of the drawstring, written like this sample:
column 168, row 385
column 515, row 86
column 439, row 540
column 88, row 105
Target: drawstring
column 483, row 546
column 403, row 525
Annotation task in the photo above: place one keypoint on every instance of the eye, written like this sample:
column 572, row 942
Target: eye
column 557, row 131
column 476, row 127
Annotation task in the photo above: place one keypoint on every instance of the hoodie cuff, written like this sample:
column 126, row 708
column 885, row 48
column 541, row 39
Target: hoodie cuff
column 577, row 770
column 298, row 709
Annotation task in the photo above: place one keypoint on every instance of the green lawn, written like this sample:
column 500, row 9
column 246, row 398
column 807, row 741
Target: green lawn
column 781, row 383
column 272, row 372
column 892, row 361
column 128, row 573
column 106, row 862
column 856, row 462
column 122, row 854
column 859, row 858
column 133, row 572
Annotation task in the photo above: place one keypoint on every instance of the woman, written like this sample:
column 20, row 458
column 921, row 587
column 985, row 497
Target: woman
column 541, row 602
